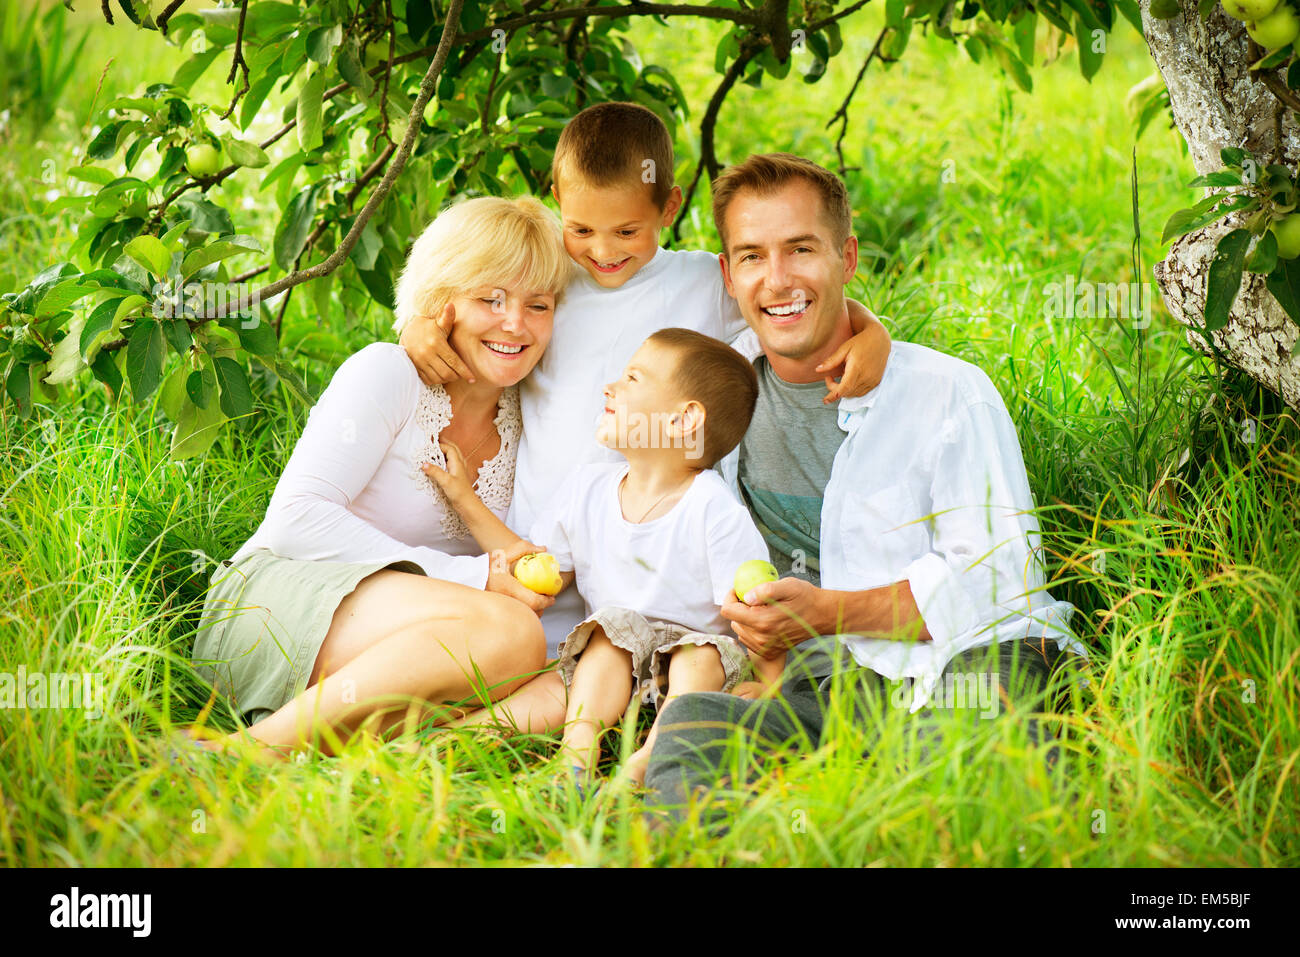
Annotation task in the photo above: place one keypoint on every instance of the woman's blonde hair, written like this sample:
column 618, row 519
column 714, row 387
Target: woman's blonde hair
column 485, row 241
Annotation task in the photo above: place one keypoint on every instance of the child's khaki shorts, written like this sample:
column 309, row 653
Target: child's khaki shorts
column 651, row 644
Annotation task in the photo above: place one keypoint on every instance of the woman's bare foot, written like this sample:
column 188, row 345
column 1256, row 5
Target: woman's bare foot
column 635, row 766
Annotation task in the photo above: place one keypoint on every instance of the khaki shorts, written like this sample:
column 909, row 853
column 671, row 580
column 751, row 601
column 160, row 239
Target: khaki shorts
column 651, row 644
column 264, row 620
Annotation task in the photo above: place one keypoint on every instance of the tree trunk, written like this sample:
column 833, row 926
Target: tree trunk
column 1216, row 103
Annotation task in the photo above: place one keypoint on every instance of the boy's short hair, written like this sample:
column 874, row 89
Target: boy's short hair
column 616, row 144
column 765, row 173
column 720, row 379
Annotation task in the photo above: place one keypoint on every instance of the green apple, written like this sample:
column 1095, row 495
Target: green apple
column 1276, row 30
column 539, row 572
column 1287, row 233
column 751, row 574
column 202, row 159
column 1249, row 9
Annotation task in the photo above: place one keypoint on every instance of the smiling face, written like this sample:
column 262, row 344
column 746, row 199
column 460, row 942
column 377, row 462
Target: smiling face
column 501, row 332
column 612, row 232
column 640, row 404
column 788, row 275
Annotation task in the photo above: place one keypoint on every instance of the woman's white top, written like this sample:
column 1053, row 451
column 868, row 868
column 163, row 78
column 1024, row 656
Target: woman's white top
column 354, row 490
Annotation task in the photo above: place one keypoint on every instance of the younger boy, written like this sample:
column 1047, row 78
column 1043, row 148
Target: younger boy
column 613, row 179
column 653, row 541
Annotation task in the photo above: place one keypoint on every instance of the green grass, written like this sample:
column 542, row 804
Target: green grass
column 1176, row 538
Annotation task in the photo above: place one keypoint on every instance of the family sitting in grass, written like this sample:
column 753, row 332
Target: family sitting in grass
column 652, row 419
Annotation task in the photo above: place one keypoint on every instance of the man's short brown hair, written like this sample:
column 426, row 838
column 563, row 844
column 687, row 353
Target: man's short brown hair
column 720, row 379
column 765, row 173
column 616, row 144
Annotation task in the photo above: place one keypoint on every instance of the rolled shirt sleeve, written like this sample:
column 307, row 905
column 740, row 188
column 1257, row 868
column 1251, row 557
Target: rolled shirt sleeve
column 982, row 567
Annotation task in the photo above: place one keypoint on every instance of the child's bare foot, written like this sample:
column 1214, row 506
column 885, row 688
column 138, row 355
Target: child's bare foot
column 750, row 690
column 635, row 766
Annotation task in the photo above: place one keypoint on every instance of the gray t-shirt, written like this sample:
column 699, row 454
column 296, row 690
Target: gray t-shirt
column 785, row 463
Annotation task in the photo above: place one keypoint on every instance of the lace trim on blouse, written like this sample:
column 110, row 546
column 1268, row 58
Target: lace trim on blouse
column 496, row 478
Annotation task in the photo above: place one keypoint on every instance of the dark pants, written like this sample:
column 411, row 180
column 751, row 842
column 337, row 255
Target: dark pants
column 699, row 733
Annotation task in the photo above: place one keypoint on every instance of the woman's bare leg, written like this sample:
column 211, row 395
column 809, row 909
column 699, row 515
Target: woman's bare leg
column 399, row 642
column 690, row 668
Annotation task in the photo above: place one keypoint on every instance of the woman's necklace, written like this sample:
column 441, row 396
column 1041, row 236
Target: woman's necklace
column 658, row 501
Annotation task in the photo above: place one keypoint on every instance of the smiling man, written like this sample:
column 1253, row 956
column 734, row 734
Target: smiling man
column 901, row 521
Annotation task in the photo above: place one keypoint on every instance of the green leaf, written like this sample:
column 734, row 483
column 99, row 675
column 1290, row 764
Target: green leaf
column 214, row 252
column 254, row 98
column 66, row 360
column 245, row 154
column 322, row 41
column 62, row 295
column 105, row 370
column 1224, row 280
column 92, row 174
column 419, row 18
column 295, row 226
column 201, row 385
column 350, row 68
column 236, row 397
column 1232, row 155
column 171, row 238
column 309, row 112
column 197, row 427
column 150, row 253
column 19, row 386
column 194, row 67
column 172, row 397
column 1165, row 9
column 1264, row 257
column 256, row 335
column 1089, row 60
column 1025, row 29
column 104, row 145
column 98, row 327
column 178, row 334
column 1221, row 177
column 293, row 382
column 145, row 349
column 1203, row 213
column 206, row 216
column 1284, row 283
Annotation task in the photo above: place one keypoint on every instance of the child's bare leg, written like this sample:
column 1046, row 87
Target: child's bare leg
column 602, row 687
column 536, row 708
column 768, row 671
column 690, row 668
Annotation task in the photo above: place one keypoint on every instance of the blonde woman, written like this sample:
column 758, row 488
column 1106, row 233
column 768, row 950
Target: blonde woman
column 362, row 599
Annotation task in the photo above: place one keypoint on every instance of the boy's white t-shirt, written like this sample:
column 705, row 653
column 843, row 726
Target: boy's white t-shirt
column 595, row 334
column 679, row 567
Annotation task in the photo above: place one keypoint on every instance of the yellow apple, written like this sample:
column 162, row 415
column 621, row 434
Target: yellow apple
column 1287, row 233
column 1249, row 9
column 1276, row 30
column 751, row 574
column 539, row 572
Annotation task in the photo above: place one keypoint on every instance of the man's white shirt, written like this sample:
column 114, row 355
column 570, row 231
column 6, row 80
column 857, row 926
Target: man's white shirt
column 929, row 487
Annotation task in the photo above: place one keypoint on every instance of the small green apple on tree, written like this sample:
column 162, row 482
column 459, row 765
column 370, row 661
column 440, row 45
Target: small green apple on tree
column 1287, row 233
column 1249, row 9
column 202, row 159
column 1276, row 30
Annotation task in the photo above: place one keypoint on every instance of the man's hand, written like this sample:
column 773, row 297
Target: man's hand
column 426, row 345
column 860, row 362
column 501, row 581
column 782, row 614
